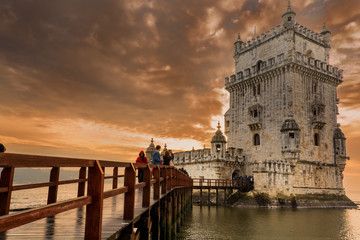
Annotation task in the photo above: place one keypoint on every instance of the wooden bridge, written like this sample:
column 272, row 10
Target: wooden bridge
column 152, row 209
column 227, row 185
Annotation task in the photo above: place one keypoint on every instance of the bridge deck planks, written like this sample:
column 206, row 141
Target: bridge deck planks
column 71, row 224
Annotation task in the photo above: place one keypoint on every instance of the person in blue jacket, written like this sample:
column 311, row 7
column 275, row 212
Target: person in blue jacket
column 156, row 156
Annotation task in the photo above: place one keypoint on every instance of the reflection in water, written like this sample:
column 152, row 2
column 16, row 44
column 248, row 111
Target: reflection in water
column 50, row 227
column 239, row 223
column 80, row 215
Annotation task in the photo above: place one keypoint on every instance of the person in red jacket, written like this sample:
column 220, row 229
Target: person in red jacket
column 141, row 159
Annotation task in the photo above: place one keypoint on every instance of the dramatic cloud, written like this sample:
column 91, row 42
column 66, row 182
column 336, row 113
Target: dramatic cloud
column 100, row 78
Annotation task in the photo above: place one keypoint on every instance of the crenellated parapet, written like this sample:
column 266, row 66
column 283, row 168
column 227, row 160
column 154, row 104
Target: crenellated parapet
column 273, row 66
column 204, row 155
column 241, row 47
column 321, row 38
column 193, row 156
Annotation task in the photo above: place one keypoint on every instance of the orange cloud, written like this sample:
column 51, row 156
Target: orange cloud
column 99, row 79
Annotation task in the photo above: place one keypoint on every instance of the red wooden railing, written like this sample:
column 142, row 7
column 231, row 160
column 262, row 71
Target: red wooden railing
column 170, row 178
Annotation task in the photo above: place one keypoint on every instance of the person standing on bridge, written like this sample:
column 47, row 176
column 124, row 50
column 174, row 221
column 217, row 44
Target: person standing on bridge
column 167, row 158
column 156, row 156
column 2, row 148
column 141, row 159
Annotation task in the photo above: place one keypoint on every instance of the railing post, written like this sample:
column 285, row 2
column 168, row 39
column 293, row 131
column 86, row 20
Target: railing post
column 164, row 182
column 209, row 191
column 147, row 188
column 53, row 190
column 81, row 185
column 6, row 180
column 169, row 172
column 163, row 209
column 115, row 177
column 94, row 209
column 174, row 215
column 157, row 184
column 201, row 180
column 129, row 200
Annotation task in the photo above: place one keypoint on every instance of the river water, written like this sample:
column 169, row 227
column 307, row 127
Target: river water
column 270, row 224
column 220, row 223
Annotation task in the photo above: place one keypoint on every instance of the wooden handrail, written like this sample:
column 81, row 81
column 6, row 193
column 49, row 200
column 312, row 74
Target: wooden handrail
column 44, row 184
column 24, row 160
column 114, row 192
column 171, row 178
column 27, row 216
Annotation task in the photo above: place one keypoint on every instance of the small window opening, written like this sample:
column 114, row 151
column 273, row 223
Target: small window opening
column 289, row 19
column 254, row 90
column 291, row 135
column 258, row 66
column 258, row 89
column 256, row 139
column 218, row 147
column 314, row 88
column 316, row 139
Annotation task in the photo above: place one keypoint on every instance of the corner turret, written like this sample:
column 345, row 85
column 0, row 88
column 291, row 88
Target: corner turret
column 325, row 33
column 218, row 144
column 288, row 17
column 238, row 45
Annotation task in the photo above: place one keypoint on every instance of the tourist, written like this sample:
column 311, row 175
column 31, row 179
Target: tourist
column 156, row 156
column 141, row 159
column 171, row 155
column 2, row 148
column 167, row 158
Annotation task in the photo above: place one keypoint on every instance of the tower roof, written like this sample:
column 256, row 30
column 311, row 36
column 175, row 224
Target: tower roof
column 338, row 134
column 218, row 137
column 289, row 10
column 289, row 124
column 324, row 29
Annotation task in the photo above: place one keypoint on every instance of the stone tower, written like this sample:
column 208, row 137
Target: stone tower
column 218, row 144
column 283, row 111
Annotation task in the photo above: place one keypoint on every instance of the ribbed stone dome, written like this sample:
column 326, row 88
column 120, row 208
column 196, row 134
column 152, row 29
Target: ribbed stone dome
column 338, row 134
column 289, row 124
column 151, row 147
column 218, row 137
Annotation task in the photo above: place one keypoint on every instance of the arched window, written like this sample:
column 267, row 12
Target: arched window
column 314, row 88
column 218, row 147
column 316, row 139
column 256, row 139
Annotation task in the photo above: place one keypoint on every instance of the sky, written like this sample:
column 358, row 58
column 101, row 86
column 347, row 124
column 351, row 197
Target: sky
column 99, row 79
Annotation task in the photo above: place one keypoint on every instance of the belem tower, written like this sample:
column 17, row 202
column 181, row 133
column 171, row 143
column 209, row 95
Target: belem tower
column 281, row 126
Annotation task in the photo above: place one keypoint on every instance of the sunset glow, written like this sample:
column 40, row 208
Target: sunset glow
column 99, row 79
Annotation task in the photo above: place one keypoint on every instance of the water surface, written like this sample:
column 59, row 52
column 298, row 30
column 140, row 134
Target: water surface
column 290, row 224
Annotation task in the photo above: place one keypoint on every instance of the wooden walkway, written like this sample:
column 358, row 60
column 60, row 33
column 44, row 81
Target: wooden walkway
column 129, row 211
column 71, row 224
